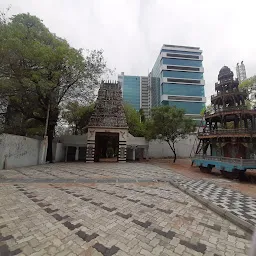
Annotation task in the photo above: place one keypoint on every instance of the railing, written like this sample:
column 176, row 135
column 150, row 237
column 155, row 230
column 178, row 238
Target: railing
column 227, row 131
column 227, row 109
column 240, row 161
column 243, row 91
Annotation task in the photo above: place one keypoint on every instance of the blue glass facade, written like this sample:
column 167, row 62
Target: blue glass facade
column 131, row 91
column 183, row 74
column 180, row 62
column 189, row 107
column 163, row 85
column 183, row 89
column 155, row 83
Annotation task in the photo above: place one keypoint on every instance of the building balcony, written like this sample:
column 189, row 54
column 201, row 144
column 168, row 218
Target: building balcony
column 221, row 133
column 199, row 82
column 184, row 68
column 181, row 56
column 167, row 97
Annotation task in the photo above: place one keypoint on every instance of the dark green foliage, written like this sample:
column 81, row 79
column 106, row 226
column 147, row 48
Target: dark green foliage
column 136, row 127
column 77, row 116
column 248, row 84
column 39, row 71
column 169, row 124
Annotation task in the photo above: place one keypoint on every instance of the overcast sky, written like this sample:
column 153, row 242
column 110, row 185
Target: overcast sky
column 131, row 32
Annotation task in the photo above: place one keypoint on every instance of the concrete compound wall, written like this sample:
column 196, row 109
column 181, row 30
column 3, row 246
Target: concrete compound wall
column 75, row 140
column 58, row 150
column 159, row 149
column 18, row 151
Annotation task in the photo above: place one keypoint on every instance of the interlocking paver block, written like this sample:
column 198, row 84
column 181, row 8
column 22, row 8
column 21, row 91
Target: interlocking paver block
column 130, row 218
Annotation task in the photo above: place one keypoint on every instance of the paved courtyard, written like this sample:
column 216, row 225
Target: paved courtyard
column 108, row 209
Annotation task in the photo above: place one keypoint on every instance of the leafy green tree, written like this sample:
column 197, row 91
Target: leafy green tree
column 249, row 84
column 169, row 124
column 208, row 108
column 136, row 127
column 77, row 116
column 39, row 71
column 142, row 115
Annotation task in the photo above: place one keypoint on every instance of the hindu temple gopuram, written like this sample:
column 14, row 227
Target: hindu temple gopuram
column 108, row 138
column 108, row 121
column 227, row 140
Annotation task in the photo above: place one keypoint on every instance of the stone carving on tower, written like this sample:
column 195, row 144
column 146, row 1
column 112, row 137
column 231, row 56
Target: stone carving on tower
column 108, row 118
column 109, row 110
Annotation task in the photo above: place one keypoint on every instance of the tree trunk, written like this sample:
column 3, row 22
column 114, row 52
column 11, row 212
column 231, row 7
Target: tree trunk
column 173, row 150
column 50, row 132
column 175, row 156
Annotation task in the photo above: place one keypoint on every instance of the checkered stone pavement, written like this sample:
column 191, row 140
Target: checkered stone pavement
column 238, row 204
column 51, row 212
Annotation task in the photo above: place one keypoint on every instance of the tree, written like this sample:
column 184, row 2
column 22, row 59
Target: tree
column 249, row 84
column 208, row 108
column 136, row 127
column 169, row 124
column 77, row 116
column 39, row 71
column 142, row 115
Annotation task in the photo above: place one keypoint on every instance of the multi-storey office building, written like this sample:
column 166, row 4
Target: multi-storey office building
column 177, row 79
column 135, row 91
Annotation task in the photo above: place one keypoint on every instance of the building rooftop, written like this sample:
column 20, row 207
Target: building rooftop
column 181, row 46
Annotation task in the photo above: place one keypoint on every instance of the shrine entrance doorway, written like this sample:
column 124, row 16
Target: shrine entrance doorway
column 106, row 147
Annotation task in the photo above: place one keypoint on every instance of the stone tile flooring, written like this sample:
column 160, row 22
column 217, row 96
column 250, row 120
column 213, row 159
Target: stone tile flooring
column 238, row 204
column 59, row 210
column 233, row 201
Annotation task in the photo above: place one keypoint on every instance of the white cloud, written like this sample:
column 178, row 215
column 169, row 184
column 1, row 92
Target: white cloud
column 131, row 32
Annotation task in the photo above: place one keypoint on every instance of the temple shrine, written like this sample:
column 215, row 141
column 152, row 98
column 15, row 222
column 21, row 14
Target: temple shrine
column 108, row 138
column 227, row 139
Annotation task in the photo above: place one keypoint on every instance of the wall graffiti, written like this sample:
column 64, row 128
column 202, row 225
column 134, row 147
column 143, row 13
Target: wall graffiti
column 17, row 151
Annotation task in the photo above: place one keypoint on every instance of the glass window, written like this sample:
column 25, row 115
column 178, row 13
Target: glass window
column 183, row 89
column 189, row 107
column 183, row 68
column 183, row 74
column 131, row 91
column 177, row 80
column 182, row 56
column 180, row 62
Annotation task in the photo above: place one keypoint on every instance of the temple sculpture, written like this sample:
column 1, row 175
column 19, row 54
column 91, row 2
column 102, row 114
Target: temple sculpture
column 227, row 140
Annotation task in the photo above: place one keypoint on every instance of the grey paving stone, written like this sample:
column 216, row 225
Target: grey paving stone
column 105, row 218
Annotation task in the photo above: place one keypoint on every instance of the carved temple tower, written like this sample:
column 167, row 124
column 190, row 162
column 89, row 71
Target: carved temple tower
column 107, row 121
